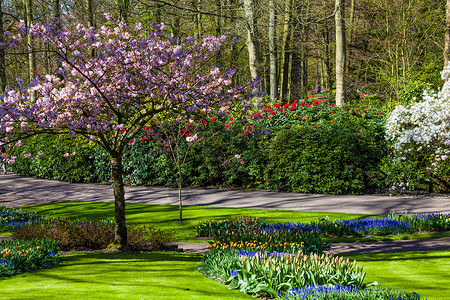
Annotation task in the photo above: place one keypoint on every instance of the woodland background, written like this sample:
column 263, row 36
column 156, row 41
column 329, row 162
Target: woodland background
column 393, row 49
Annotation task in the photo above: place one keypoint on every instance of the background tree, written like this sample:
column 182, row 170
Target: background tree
column 340, row 52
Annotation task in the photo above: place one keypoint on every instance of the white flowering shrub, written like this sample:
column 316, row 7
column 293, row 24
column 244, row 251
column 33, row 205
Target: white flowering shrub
column 419, row 133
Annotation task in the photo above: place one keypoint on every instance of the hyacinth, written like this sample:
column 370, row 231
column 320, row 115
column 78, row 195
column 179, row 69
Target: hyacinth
column 316, row 290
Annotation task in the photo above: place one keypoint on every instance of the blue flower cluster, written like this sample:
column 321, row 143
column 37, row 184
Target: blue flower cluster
column 430, row 216
column 318, row 290
column 374, row 226
column 290, row 227
column 15, row 224
column 251, row 254
column 4, row 263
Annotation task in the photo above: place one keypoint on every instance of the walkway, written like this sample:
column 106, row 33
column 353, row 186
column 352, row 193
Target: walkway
column 16, row 191
column 19, row 191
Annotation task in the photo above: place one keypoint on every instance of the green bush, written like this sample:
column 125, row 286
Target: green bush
column 329, row 158
column 317, row 149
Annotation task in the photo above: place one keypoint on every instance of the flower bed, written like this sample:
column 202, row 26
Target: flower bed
column 277, row 272
column 13, row 217
column 21, row 256
column 341, row 292
column 285, row 260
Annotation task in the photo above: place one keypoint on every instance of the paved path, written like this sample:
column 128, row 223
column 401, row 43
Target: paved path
column 16, row 191
column 19, row 191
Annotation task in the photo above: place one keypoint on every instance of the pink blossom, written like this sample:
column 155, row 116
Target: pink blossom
column 444, row 157
column 192, row 138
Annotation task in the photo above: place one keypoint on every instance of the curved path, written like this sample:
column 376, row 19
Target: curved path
column 16, row 191
column 19, row 191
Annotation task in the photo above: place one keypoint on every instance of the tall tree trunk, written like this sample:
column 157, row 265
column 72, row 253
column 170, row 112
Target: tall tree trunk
column 350, row 35
column 340, row 52
column 90, row 13
column 123, row 6
column 31, row 57
column 272, row 51
column 447, row 35
column 119, row 200
column 252, row 39
column 284, row 63
column 2, row 54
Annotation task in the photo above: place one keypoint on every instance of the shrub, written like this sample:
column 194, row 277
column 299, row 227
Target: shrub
column 330, row 158
column 82, row 234
column 296, row 149
column 21, row 256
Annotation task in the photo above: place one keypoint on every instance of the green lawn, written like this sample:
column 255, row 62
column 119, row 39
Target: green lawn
column 163, row 216
column 173, row 276
column 119, row 276
column 426, row 273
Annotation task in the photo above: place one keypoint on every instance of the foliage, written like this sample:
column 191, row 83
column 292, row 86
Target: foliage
column 258, row 272
column 82, row 234
column 287, row 152
column 21, row 256
column 11, row 217
column 340, row 292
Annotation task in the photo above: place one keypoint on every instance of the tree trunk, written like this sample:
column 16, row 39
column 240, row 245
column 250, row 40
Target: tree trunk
column 122, row 6
column 252, row 39
column 31, row 57
column 119, row 201
column 285, row 49
column 2, row 54
column 272, row 51
column 89, row 13
column 447, row 35
column 340, row 52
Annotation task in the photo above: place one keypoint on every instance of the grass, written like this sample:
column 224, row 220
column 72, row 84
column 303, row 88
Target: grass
column 379, row 238
column 119, row 276
column 163, row 216
column 173, row 276
column 425, row 273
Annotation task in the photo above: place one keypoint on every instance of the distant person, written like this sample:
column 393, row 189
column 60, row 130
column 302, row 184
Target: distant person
column 318, row 89
column 3, row 151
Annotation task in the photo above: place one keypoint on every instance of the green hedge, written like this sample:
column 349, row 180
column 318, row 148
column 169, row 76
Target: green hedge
column 329, row 151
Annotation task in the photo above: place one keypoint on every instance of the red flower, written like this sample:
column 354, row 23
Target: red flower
column 187, row 134
column 227, row 125
column 268, row 117
column 295, row 101
column 308, row 106
column 303, row 116
column 232, row 123
column 333, row 105
column 231, row 118
column 379, row 112
column 153, row 123
column 272, row 112
column 143, row 139
column 286, row 105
